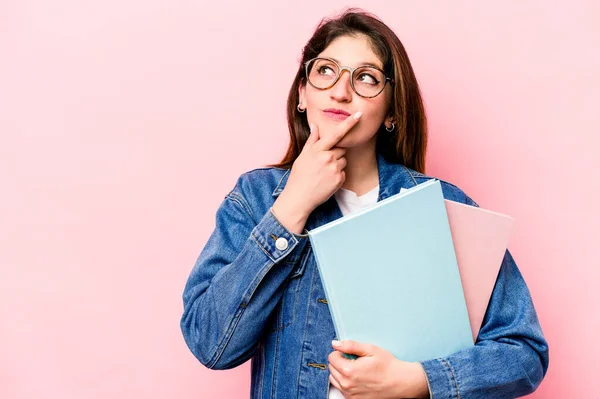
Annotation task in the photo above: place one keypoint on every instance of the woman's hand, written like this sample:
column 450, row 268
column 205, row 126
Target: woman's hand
column 375, row 374
column 316, row 175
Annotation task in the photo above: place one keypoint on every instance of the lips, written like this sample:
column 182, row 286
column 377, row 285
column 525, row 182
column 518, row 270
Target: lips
column 336, row 111
column 336, row 114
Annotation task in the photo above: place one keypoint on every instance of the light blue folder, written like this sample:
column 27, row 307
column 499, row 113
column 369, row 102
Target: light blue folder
column 391, row 277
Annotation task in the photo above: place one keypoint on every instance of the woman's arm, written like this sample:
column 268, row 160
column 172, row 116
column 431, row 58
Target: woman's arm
column 236, row 283
column 510, row 357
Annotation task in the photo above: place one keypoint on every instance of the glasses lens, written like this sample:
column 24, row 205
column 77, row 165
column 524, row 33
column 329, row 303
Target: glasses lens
column 322, row 73
column 368, row 82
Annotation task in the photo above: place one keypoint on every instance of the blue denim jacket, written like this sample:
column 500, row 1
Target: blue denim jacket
column 248, row 298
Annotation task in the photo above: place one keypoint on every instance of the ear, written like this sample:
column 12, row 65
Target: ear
column 302, row 94
column 389, row 120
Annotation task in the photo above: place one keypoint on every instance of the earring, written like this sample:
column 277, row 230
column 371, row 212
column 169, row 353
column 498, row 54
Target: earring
column 391, row 129
column 300, row 109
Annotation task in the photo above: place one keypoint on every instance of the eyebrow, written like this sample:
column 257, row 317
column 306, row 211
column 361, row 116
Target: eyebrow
column 363, row 64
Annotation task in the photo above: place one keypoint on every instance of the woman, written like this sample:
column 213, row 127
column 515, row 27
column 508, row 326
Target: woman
column 358, row 135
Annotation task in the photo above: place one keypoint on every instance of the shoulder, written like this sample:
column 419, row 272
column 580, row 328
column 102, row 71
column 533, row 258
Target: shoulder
column 254, row 189
column 451, row 191
column 257, row 180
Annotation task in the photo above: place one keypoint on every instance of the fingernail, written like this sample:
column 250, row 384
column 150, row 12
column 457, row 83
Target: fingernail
column 357, row 115
column 335, row 343
column 311, row 127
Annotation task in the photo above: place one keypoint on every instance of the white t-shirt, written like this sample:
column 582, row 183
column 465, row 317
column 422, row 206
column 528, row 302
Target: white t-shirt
column 349, row 202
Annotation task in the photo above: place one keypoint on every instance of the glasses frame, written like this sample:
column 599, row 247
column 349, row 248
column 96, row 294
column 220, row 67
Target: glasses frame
column 342, row 69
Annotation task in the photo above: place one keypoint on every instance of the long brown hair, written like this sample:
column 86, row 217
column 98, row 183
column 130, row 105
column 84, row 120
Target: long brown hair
column 407, row 143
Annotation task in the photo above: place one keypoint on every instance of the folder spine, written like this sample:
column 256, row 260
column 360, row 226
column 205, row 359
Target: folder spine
column 341, row 332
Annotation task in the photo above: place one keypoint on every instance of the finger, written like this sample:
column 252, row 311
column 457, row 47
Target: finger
column 338, row 152
column 341, row 163
column 327, row 142
column 336, row 359
column 335, row 382
column 353, row 347
column 335, row 377
column 314, row 134
column 343, row 179
column 346, row 368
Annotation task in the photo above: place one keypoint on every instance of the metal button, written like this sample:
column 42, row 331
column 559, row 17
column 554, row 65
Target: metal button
column 281, row 243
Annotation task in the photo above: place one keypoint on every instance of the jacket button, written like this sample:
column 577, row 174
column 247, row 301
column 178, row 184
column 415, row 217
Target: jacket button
column 281, row 244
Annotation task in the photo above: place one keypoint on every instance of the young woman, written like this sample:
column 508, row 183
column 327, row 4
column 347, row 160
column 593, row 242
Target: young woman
column 358, row 135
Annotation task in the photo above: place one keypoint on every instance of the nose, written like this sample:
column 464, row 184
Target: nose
column 341, row 90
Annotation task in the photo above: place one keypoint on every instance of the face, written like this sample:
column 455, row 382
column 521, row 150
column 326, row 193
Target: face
column 353, row 52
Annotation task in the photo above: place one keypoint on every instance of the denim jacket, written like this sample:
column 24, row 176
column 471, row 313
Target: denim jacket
column 255, row 293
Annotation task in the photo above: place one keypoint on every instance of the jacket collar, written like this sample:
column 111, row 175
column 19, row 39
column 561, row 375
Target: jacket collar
column 392, row 177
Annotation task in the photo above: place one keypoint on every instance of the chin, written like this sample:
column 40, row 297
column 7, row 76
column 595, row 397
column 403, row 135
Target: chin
column 343, row 143
column 352, row 144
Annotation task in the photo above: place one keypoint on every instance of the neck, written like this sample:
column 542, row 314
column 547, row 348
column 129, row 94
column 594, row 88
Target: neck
column 362, row 174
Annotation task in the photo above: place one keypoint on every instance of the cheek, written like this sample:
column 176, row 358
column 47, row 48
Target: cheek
column 312, row 96
column 374, row 118
column 380, row 108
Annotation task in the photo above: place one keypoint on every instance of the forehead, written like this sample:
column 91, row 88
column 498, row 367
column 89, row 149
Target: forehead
column 352, row 51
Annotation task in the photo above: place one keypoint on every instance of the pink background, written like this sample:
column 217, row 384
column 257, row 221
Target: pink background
column 124, row 123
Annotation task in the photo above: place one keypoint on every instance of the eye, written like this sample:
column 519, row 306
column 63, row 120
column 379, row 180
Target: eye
column 325, row 70
column 365, row 77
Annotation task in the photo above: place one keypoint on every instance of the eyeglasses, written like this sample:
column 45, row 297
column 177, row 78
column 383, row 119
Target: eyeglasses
column 366, row 81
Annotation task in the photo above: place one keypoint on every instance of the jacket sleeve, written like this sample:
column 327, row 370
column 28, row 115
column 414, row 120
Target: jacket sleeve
column 510, row 356
column 236, row 283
